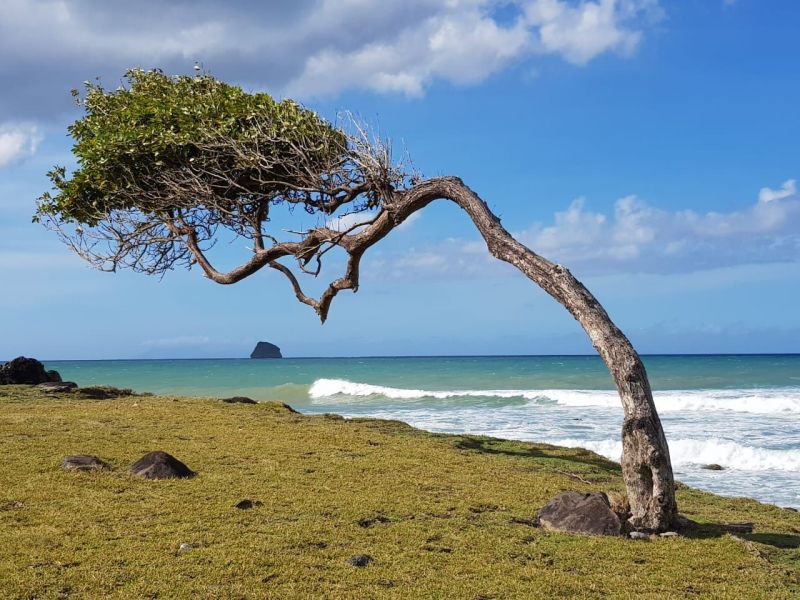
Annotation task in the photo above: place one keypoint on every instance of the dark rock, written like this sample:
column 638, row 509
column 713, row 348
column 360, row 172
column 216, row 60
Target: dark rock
column 266, row 350
column 103, row 392
column 239, row 400
column 360, row 560
column 367, row 523
column 247, row 504
column 160, row 465
column 84, row 462
column 24, row 370
column 57, row 387
column 577, row 512
column 713, row 467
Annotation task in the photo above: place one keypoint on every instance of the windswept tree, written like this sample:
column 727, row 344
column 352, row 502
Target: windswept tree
column 169, row 165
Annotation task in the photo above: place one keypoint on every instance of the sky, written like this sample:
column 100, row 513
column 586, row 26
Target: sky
column 650, row 146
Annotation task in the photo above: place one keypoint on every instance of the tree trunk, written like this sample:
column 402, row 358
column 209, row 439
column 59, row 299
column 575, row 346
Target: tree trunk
column 646, row 466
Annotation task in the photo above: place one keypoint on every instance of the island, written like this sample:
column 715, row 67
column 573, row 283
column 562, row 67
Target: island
column 266, row 350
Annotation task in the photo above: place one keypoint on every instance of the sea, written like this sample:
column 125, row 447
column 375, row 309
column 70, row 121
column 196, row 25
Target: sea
column 741, row 412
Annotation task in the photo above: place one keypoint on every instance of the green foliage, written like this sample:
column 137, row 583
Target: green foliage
column 443, row 516
column 132, row 139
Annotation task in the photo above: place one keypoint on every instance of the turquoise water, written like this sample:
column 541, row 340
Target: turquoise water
column 742, row 412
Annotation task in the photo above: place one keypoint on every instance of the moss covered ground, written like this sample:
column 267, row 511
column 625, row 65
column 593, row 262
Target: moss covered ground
column 442, row 516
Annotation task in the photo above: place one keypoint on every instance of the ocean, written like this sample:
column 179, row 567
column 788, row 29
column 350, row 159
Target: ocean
column 739, row 411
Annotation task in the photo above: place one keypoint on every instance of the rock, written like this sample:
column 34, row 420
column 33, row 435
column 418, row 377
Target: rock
column 24, row 370
column 247, row 504
column 239, row 400
column 57, row 387
column 669, row 534
column 266, row 350
column 639, row 535
column 577, row 512
column 103, row 392
column 713, row 467
column 184, row 547
column 84, row 462
column 160, row 465
column 360, row 560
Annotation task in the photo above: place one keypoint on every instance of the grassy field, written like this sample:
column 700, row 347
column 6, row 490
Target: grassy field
column 442, row 516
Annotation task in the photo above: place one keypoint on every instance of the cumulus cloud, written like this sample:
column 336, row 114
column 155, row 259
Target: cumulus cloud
column 635, row 238
column 302, row 47
column 17, row 141
column 787, row 190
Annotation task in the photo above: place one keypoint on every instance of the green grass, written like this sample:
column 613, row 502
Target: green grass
column 456, row 509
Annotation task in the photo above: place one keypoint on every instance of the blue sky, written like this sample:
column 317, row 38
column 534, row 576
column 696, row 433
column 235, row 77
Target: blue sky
column 652, row 147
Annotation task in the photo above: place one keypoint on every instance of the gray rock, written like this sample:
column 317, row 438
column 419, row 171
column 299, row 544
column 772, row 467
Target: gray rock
column 360, row 560
column 266, row 350
column 577, row 512
column 669, row 534
column 57, row 387
column 184, row 547
column 84, row 462
column 639, row 535
column 160, row 465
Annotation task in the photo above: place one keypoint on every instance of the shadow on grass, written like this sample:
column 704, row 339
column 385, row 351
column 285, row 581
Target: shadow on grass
column 487, row 445
column 715, row 530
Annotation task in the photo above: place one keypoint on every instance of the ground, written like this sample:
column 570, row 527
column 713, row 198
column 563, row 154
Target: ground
column 442, row 516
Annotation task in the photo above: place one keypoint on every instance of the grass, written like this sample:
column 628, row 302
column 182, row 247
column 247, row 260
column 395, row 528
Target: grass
column 442, row 516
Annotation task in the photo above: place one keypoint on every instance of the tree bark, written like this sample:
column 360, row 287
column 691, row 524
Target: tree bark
column 646, row 466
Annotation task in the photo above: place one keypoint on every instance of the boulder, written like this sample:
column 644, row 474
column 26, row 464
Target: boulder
column 266, row 350
column 57, row 387
column 239, row 400
column 24, row 370
column 713, row 467
column 84, row 462
column 577, row 512
column 160, row 465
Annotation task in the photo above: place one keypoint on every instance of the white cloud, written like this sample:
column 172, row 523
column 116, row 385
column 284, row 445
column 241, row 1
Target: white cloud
column 302, row 47
column 789, row 188
column 17, row 141
column 635, row 238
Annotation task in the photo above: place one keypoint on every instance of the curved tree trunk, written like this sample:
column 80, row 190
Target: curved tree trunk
column 646, row 465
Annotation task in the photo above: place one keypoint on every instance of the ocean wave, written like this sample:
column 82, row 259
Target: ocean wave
column 692, row 452
column 765, row 401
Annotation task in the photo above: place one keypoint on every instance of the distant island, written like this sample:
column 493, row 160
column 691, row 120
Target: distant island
column 266, row 350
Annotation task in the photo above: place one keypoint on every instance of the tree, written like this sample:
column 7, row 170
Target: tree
column 166, row 165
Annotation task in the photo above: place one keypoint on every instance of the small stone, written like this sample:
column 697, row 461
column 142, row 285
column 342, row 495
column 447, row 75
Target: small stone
column 639, row 535
column 248, row 504
column 83, row 462
column 184, row 547
column 669, row 534
column 713, row 467
column 239, row 400
column 160, row 465
column 360, row 560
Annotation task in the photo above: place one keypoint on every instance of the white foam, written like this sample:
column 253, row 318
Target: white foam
column 689, row 452
column 765, row 401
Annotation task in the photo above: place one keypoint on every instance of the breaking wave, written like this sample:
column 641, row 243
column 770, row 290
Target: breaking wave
column 689, row 452
column 765, row 401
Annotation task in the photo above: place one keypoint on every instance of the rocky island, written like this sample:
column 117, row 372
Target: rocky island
column 266, row 350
